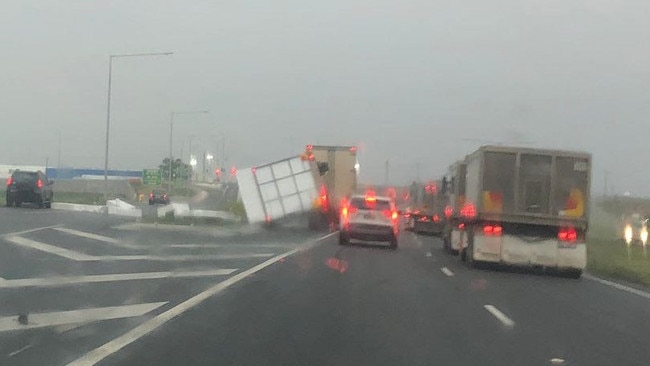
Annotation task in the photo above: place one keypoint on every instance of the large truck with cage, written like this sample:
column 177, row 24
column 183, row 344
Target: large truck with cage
column 520, row 206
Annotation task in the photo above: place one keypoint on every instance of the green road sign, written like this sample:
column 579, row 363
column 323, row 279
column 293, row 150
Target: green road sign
column 151, row 177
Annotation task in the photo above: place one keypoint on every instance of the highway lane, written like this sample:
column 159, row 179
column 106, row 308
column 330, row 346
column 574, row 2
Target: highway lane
column 84, row 279
column 359, row 305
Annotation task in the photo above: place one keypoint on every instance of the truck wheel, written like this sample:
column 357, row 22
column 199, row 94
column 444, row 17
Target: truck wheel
column 393, row 242
column 469, row 251
column 343, row 239
column 573, row 273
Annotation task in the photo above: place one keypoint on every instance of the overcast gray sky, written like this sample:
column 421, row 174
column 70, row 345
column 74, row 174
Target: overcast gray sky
column 416, row 82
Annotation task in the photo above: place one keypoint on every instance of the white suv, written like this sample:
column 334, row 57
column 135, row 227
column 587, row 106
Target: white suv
column 370, row 218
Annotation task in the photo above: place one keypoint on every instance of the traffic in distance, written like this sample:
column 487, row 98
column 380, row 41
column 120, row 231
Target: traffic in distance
column 503, row 205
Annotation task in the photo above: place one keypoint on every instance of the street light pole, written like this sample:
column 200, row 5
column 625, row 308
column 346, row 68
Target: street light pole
column 171, row 137
column 108, row 106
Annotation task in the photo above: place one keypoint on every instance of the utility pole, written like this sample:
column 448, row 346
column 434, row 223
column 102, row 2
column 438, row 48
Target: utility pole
column 58, row 162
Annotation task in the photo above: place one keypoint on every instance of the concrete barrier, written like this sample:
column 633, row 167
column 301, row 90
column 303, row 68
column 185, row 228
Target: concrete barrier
column 215, row 214
column 78, row 208
column 128, row 212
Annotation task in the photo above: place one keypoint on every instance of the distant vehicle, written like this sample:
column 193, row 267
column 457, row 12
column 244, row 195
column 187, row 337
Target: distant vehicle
column 158, row 196
column 521, row 206
column 635, row 229
column 336, row 166
column 29, row 187
column 426, row 209
column 369, row 218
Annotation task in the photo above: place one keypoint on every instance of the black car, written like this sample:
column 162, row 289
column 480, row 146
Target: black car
column 158, row 196
column 29, row 187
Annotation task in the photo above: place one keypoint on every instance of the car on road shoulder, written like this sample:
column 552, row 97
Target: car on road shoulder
column 158, row 196
column 29, row 187
column 369, row 218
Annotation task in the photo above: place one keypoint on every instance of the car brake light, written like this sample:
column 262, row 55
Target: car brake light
column 39, row 183
column 492, row 230
column 10, row 181
column 468, row 210
column 567, row 234
column 395, row 215
column 436, row 218
column 461, row 226
column 449, row 211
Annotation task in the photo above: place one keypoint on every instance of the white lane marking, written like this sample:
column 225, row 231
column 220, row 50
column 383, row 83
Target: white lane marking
column 97, row 237
column 557, row 361
column 181, row 258
column 100, row 353
column 429, row 254
column 617, row 286
column 12, row 354
column 86, row 235
column 217, row 246
column 499, row 315
column 73, row 280
column 447, row 271
column 47, row 248
column 31, row 230
column 81, row 257
column 42, row 320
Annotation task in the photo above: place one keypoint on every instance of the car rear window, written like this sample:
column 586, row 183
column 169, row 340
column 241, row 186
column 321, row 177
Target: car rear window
column 362, row 204
column 24, row 177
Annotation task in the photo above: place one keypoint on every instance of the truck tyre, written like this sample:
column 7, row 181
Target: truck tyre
column 573, row 273
column 393, row 242
column 343, row 239
column 469, row 251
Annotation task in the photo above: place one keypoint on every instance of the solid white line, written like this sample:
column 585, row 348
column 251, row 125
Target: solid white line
column 617, row 286
column 41, row 320
column 31, row 230
column 73, row 280
column 51, row 249
column 180, row 258
column 98, row 354
column 86, row 235
column 12, row 354
column 97, row 237
column 499, row 315
column 217, row 246
column 447, row 271
column 80, row 257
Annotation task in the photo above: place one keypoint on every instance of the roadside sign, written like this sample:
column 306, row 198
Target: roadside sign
column 151, row 177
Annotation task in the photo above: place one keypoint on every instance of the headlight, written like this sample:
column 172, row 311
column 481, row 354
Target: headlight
column 627, row 233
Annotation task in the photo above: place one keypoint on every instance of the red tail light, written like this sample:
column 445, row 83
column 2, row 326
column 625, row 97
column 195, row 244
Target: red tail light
column 492, row 230
column 568, row 234
column 436, row 218
column 391, row 214
column 10, row 181
column 461, row 226
column 468, row 210
column 449, row 211
column 424, row 219
column 39, row 183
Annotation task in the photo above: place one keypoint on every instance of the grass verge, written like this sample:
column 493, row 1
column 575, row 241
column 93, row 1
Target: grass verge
column 80, row 198
column 608, row 255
